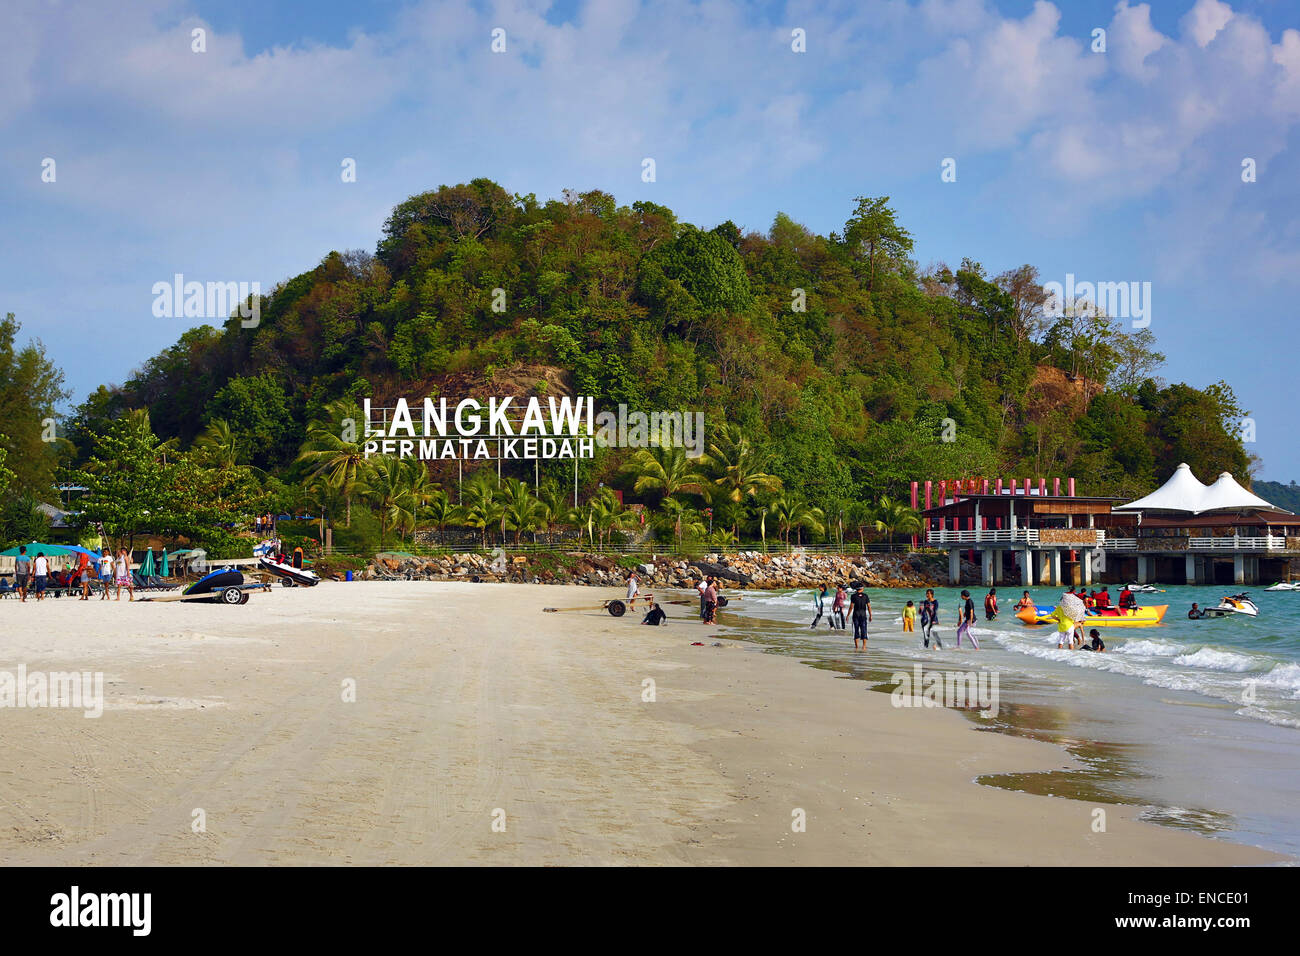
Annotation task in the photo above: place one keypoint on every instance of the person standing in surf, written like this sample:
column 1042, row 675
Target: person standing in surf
column 991, row 604
column 967, row 621
column 860, row 605
column 929, row 618
column 819, row 602
column 837, row 608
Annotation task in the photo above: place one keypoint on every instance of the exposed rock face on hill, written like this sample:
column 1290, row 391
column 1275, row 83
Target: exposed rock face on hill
column 745, row 569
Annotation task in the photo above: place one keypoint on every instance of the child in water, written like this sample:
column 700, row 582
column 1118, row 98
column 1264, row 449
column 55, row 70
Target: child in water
column 909, row 618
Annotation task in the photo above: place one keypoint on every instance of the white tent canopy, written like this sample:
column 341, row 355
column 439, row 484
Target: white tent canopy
column 1226, row 494
column 1183, row 494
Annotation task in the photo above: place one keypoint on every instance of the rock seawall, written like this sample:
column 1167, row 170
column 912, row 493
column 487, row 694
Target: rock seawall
column 743, row 569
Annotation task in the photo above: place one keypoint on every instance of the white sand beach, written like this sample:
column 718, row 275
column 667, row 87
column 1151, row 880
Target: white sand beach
column 472, row 706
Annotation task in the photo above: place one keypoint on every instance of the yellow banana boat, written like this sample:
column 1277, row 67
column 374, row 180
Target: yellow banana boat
column 1129, row 617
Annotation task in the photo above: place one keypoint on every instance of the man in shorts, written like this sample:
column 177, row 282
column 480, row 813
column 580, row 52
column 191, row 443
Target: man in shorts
column 41, row 567
column 22, row 572
column 105, row 573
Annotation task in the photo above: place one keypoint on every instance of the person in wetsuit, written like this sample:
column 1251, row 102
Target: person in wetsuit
column 655, row 615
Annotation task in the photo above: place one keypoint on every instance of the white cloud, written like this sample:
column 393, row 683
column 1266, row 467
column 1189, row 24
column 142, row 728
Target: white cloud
column 1131, row 39
column 1204, row 21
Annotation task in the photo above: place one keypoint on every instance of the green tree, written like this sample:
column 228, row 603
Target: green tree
column 30, row 388
column 333, row 451
column 873, row 235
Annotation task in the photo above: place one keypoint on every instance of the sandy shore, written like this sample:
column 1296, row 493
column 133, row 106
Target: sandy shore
column 471, row 706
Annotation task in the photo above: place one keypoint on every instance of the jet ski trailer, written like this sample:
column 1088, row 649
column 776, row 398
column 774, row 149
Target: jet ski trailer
column 224, row 585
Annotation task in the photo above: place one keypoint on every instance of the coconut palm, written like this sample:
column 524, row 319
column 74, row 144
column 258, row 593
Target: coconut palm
column 442, row 511
column 553, row 509
column 519, row 509
column 861, row 518
column 686, row 521
column 665, row 471
column 737, row 468
column 837, row 515
column 481, row 508
column 794, row 514
column 609, row 515
column 333, row 455
column 894, row 517
column 218, row 446
column 386, row 485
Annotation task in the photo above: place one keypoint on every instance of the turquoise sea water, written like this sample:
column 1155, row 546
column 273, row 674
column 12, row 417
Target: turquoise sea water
column 1198, row 722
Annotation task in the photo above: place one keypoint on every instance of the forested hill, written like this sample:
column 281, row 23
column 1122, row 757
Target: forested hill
column 837, row 355
column 1283, row 495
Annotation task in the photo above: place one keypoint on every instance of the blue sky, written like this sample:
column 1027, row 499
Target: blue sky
column 224, row 165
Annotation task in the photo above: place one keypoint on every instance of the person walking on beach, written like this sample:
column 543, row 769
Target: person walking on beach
column 819, row 602
column 123, row 568
column 41, row 567
column 837, row 608
column 633, row 588
column 711, row 603
column 105, row 573
column 701, row 586
column 991, row 604
column 909, row 618
column 967, row 621
column 22, row 571
column 860, row 606
column 83, row 577
column 929, row 618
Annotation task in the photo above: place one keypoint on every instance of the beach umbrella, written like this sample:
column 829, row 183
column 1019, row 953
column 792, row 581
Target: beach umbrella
column 51, row 550
column 1072, row 605
column 147, row 569
column 162, row 568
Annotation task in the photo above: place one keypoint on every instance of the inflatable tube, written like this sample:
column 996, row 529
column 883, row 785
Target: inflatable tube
column 1137, row 617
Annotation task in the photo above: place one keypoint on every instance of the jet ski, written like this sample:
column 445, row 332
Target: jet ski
column 1285, row 586
column 1144, row 589
column 1233, row 604
column 289, row 576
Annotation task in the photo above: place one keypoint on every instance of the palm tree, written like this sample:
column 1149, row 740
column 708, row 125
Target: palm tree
column 323, row 496
column 894, row 517
column 665, row 471
column 861, row 516
column 342, row 462
column 837, row 514
column 686, row 521
column 386, row 485
column 519, row 509
column 481, row 509
column 793, row 514
column 420, row 487
column 738, row 467
column 218, row 446
column 608, row 514
column 553, row 508
column 441, row 511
